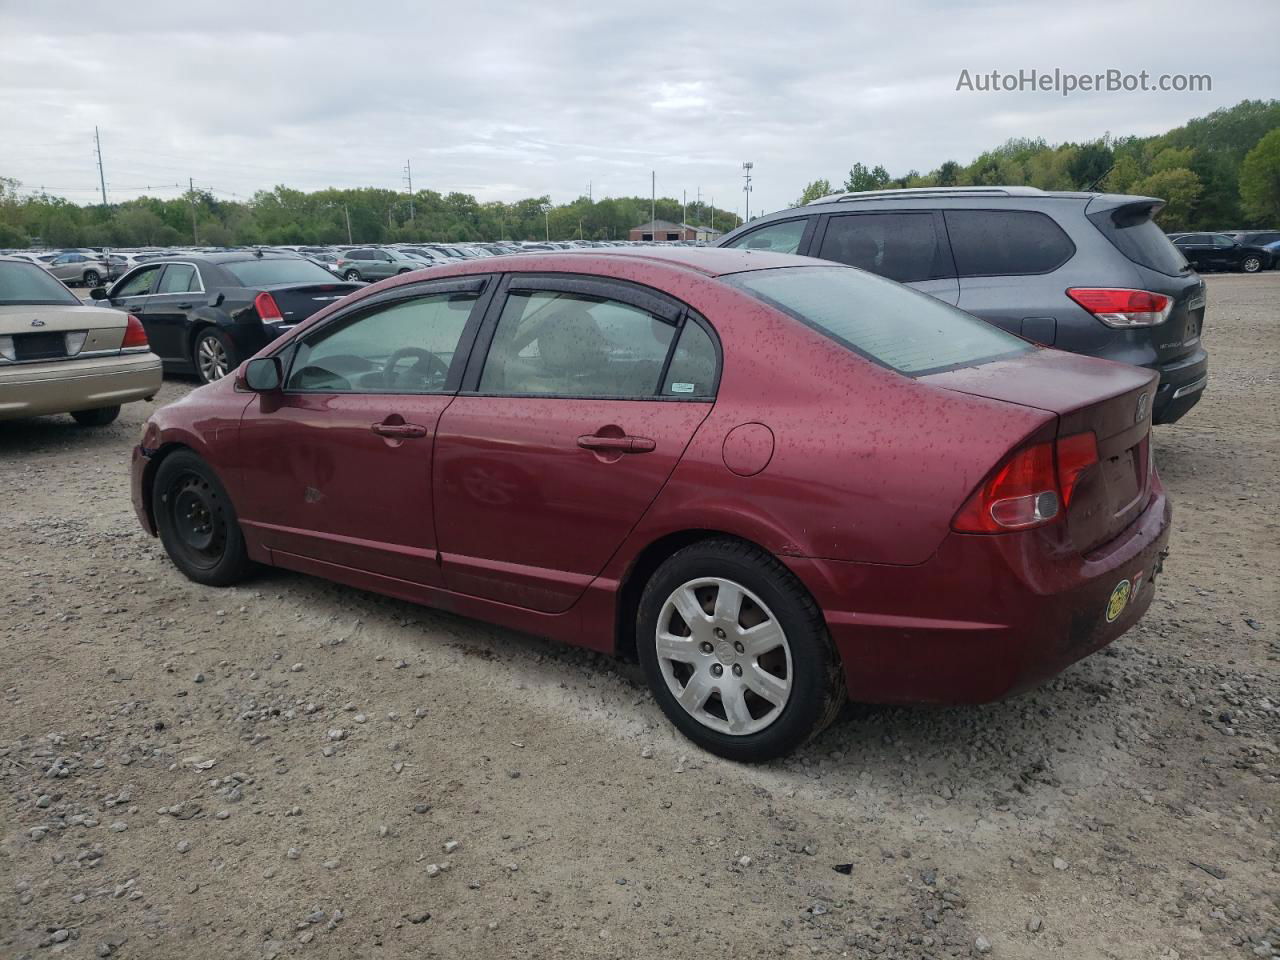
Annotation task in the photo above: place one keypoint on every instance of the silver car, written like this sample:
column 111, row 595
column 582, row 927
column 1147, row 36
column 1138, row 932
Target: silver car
column 74, row 268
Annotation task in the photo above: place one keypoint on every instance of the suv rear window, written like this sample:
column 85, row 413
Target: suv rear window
column 1136, row 235
column 260, row 273
column 1006, row 243
column 890, row 324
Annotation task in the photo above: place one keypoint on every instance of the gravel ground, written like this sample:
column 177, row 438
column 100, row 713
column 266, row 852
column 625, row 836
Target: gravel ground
column 297, row 769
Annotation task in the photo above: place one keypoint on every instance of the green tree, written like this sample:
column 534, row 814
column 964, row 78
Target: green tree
column 1180, row 188
column 1090, row 163
column 860, row 178
column 815, row 190
column 1260, row 179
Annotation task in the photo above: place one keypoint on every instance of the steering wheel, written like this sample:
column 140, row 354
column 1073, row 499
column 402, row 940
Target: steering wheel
column 434, row 364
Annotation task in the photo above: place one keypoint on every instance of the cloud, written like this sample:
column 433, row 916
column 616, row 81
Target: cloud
column 506, row 100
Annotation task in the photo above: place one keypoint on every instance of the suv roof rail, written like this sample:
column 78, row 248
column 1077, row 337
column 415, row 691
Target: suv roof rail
column 930, row 192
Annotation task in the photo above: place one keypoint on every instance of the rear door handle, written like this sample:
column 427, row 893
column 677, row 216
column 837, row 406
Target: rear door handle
column 624, row 443
column 400, row 431
column 184, row 306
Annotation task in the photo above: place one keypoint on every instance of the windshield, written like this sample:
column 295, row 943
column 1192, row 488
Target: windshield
column 26, row 283
column 261, row 273
column 883, row 321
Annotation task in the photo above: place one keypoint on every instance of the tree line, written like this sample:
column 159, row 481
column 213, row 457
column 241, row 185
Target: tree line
column 1218, row 172
column 360, row 215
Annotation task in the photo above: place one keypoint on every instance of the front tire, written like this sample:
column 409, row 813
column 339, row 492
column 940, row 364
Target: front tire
column 1251, row 264
column 351, row 276
column 197, row 522
column 92, row 278
column 736, row 651
column 214, row 355
column 99, row 417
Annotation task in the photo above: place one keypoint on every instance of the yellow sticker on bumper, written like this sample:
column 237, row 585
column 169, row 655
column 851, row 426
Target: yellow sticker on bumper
column 1119, row 600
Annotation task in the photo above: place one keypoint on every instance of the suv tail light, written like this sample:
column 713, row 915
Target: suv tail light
column 1124, row 308
column 135, row 335
column 268, row 309
column 1030, row 488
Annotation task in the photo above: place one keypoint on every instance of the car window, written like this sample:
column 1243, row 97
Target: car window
column 884, row 321
column 405, row 348
column 901, row 246
column 178, row 278
column 139, row 284
column 270, row 270
column 23, row 283
column 692, row 371
column 777, row 237
column 566, row 344
column 1003, row 243
column 1220, row 241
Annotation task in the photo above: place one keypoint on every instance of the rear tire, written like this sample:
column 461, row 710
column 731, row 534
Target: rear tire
column 749, row 687
column 92, row 278
column 197, row 522
column 98, row 417
column 1251, row 264
column 214, row 355
column 351, row 275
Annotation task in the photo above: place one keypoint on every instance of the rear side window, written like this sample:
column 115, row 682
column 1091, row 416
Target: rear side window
column 178, row 278
column 776, row 238
column 261, row 273
column 1137, row 237
column 893, row 325
column 692, row 371
column 1005, row 243
column 901, row 246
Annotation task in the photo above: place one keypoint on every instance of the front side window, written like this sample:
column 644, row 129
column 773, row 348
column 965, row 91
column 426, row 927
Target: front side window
column 178, row 278
column 901, row 246
column 777, row 238
column 573, row 345
column 893, row 325
column 138, row 285
column 1006, row 243
column 405, row 348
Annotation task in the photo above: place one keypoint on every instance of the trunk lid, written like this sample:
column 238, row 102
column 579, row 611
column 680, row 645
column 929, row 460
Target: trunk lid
column 297, row 301
column 1110, row 400
column 60, row 331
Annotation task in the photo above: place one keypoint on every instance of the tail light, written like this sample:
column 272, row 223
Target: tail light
column 135, row 335
column 268, row 309
column 1030, row 488
column 1124, row 308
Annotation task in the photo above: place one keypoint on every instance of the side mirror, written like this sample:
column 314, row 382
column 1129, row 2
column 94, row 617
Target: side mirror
column 263, row 375
column 98, row 293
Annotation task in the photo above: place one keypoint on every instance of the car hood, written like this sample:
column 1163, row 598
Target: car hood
column 54, row 318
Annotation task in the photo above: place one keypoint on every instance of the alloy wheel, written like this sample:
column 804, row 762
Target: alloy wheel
column 724, row 656
column 211, row 356
column 1252, row 265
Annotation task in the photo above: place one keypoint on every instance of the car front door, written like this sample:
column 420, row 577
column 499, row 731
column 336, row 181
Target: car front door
column 337, row 464
column 167, row 312
column 566, row 429
column 132, row 290
column 908, row 246
column 67, row 267
column 1197, row 249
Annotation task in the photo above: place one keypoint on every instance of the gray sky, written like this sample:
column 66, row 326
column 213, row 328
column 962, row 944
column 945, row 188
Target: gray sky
column 507, row 100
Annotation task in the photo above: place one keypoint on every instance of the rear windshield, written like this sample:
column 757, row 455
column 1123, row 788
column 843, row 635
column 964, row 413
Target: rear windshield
column 1138, row 238
column 26, row 283
column 888, row 323
column 262, row 273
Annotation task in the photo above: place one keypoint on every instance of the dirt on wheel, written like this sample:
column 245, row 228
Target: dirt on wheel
column 295, row 769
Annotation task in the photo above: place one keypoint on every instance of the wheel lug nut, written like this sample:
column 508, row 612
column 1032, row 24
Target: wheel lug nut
column 719, row 634
column 737, row 669
column 739, row 647
column 716, row 670
column 706, row 647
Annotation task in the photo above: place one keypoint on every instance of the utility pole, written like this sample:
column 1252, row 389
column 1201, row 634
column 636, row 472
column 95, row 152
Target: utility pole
column 684, row 211
column 746, row 188
column 347, row 213
column 191, row 193
column 653, row 202
column 701, row 212
column 590, row 197
column 408, row 175
column 713, row 213
column 97, row 142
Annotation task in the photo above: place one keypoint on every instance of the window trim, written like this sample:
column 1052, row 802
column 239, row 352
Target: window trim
column 1038, row 213
column 480, row 285
column 610, row 288
column 939, row 228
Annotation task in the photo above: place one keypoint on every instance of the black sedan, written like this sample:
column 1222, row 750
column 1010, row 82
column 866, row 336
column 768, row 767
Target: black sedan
column 204, row 314
column 1218, row 251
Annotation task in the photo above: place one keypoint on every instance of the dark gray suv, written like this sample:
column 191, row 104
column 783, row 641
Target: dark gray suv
column 1085, row 272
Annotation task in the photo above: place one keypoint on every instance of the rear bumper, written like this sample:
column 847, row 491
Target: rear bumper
column 1182, row 384
column 63, row 386
column 987, row 616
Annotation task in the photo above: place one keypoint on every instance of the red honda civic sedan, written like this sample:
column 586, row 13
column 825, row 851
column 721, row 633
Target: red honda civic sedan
column 776, row 481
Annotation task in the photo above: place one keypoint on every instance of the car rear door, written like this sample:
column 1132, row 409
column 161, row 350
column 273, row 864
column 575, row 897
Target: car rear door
column 909, row 246
column 578, row 403
column 337, row 465
column 166, row 314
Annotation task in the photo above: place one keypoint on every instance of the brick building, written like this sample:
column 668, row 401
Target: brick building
column 663, row 230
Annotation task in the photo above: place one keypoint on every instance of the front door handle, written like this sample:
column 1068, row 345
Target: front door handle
column 184, row 306
column 623, row 444
column 400, row 431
